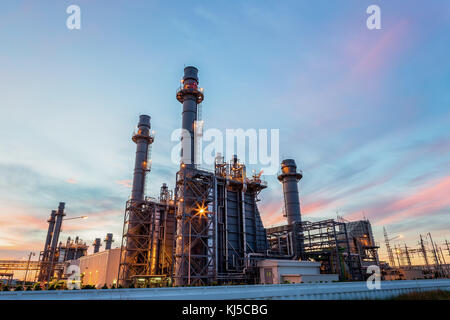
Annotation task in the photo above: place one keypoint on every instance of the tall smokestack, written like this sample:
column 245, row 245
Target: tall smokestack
column 189, row 95
column 143, row 140
column 58, row 224
column 55, row 239
column 97, row 244
column 51, row 227
column 289, row 177
column 108, row 241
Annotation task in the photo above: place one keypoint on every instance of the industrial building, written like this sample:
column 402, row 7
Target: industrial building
column 98, row 269
column 209, row 229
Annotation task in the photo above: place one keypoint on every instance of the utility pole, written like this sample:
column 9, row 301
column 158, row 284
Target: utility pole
column 28, row 267
column 436, row 259
column 397, row 252
column 424, row 252
column 445, row 267
column 408, row 259
column 389, row 250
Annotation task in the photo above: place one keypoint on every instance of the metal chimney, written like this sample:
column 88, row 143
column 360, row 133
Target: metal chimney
column 189, row 95
column 143, row 140
column 55, row 238
column 108, row 241
column 97, row 244
column 51, row 227
column 289, row 177
column 58, row 224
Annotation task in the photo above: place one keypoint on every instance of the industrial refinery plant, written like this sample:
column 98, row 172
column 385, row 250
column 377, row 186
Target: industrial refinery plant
column 208, row 231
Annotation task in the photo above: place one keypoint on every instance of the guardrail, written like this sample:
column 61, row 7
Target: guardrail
column 320, row 291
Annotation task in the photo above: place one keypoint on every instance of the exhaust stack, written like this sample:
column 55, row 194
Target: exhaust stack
column 143, row 140
column 51, row 227
column 97, row 244
column 289, row 177
column 189, row 94
column 108, row 241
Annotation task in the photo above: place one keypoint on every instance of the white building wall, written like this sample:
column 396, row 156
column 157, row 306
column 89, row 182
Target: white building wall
column 100, row 268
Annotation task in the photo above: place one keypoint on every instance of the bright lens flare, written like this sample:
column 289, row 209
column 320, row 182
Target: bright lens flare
column 201, row 210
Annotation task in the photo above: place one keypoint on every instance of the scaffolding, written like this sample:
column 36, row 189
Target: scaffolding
column 147, row 242
column 194, row 255
column 325, row 241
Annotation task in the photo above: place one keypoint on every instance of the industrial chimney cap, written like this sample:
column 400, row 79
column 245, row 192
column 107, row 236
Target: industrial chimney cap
column 288, row 163
column 144, row 120
column 190, row 72
column 289, row 168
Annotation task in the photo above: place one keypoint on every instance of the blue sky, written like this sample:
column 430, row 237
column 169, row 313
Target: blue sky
column 365, row 113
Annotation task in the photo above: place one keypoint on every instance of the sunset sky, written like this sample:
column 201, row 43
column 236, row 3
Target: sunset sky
column 365, row 113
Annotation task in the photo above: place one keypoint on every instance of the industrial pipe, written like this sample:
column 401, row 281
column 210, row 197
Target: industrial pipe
column 51, row 226
column 143, row 139
column 289, row 177
column 189, row 95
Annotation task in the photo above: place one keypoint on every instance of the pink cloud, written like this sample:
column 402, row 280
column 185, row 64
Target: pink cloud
column 125, row 183
column 73, row 181
column 376, row 56
column 426, row 201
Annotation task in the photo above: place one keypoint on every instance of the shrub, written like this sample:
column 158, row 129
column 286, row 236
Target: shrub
column 88, row 286
column 37, row 286
column 18, row 288
column 5, row 288
column 105, row 286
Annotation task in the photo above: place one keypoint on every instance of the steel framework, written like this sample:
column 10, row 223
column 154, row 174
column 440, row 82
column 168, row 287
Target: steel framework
column 195, row 256
column 326, row 241
column 147, row 242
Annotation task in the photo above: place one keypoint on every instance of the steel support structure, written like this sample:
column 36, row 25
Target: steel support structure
column 195, row 249
column 146, row 250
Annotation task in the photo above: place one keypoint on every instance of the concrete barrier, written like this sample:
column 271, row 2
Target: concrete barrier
column 303, row 291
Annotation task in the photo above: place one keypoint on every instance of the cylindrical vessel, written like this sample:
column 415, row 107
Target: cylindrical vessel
column 58, row 224
column 289, row 177
column 51, row 226
column 189, row 95
column 143, row 139
column 108, row 241
column 97, row 244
